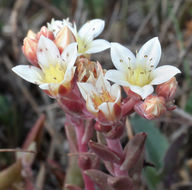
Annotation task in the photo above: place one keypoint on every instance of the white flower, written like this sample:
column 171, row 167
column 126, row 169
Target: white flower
column 55, row 69
column 139, row 73
column 56, row 25
column 87, row 33
column 101, row 98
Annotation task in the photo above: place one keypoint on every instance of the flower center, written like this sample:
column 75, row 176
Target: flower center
column 139, row 76
column 82, row 45
column 101, row 98
column 54, row 74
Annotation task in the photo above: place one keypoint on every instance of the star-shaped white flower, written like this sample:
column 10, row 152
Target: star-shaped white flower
column 102, row 99
column 85, row 37
column 55, row 69
column 139, row 73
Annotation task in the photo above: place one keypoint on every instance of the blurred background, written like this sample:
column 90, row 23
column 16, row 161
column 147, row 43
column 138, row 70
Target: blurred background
column 129, row 22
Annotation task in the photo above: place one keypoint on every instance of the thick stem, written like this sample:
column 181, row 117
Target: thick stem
column 115, row 145
column 83, row 148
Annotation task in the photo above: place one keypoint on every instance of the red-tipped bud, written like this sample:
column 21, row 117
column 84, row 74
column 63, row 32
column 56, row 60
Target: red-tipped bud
column 29, row 49
column 153, row 107
column 167, row 89
column 45, row 32
column 64, row 38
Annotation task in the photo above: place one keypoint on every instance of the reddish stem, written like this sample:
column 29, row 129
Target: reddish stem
column 83, row 148
column 115, row 145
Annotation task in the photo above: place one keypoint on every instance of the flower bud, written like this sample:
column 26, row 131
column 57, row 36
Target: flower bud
column 151, row 108
column 29, row 49
column 31, row 35
column 63, row 38
column 167, row 89
column 45, row 32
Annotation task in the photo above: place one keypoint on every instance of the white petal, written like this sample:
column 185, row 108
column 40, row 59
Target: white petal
column 102, row 83
column 56, row 25
column 47, row 52
column 116, row 92
column 91, row 29
column 49, row 86
column 121, row 56
column 29, row 73
column 117, row 77
column 90, row 105
column 108, row 109
column 97, row 46
column 164, row 73
column 86, row 89
column 150, row 53
column 69, row 74
column 142, row 91
column 69, row 55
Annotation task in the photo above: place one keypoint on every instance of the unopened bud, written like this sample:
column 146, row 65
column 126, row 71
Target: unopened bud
column 45, row 32
column 167, row 89
column 29, row 49
column 153, row 107
column 31, row 35
column 64, row 38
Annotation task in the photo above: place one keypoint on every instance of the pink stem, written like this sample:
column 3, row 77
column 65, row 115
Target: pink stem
column 115, row 145
column 83, row 147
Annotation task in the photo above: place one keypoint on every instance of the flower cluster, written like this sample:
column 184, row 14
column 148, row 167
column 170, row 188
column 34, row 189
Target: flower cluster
column 62, row 67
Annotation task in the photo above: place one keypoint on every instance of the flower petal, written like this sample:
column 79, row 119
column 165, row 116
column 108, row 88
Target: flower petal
column 117, row 77
column 121, row 56
column 91, row 106
column 97, row 46
column 47, row 52
column 115, row 92
column 29, row 73
column 69, row 74
column 91, row 29
column 142, row 91
column 69, row 55
column 108, row 109
column 56, row 25
column 163, row 74
column 86, row 89
column 150, row 53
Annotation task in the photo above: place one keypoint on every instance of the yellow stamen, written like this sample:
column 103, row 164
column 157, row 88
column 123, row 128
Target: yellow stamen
column 103, row 97
column 139, row 76
column 82, row 45
column 54, row 74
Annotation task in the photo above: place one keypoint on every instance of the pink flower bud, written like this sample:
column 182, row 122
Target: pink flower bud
column 167, row 89
column 151, row 108
column 29, row 49
column 45, row 32
column 64, row 38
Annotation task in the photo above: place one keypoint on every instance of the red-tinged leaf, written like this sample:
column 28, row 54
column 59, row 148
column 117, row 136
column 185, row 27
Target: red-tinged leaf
column 134, row 151
column 99, row 178
column 115, row 132
column 121, row 183
column 72, row 187
column 110, row 167
column 35, row 133
column 104, row 152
